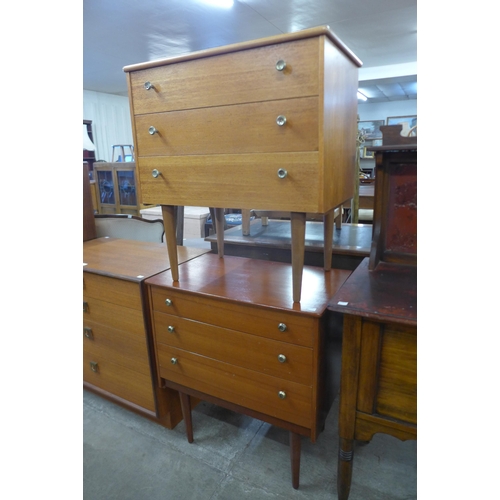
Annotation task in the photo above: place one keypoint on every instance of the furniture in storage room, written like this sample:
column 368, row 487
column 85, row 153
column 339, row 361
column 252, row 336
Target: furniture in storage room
column 118, row 362
column 229, row 333
column 270, row 123
column 116, row 188
column 378, row 388
column 88, row 152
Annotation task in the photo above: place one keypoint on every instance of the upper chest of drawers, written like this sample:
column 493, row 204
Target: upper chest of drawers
column 244, row 76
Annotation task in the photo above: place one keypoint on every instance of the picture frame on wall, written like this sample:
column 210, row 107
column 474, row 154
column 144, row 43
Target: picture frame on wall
column 371, row 128
column 368, row 154
column 408, row 122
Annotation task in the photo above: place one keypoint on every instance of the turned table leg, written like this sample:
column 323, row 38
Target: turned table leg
column 169, row 223
column 298, row 221
column 295, row 458
column 186, row 414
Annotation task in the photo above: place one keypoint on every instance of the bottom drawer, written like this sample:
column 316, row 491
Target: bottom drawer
column 238, row 385
column 119, row 380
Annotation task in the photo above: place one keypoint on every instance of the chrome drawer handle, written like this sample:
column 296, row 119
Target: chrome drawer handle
column 149, row 86
column 281, row 358
column 173, row 361
column 282, row 394
column 168, row 302
column 88, row 333
column 281, row 120
column 155, row 173
column 282, row 173
column 280, row 65
column 171, row 329
column 94, row 366
column 281, row 326
column 152, row 130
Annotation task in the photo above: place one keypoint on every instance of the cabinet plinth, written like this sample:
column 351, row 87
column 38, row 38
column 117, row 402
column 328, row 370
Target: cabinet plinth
column 269, row 123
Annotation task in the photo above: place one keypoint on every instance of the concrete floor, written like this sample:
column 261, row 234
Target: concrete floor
column 128, row 457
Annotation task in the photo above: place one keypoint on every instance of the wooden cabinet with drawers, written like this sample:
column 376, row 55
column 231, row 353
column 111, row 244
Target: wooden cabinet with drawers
column 229, row 332
column 117, row 359
column 269, row 123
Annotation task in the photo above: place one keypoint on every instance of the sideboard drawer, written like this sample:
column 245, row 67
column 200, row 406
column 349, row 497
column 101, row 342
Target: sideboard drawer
column 264, row 322
column 243, row 128
column 231, row 78
column 119, row 380
column 125, row 293
column 271, row 357
column 238, row 385
column 242, row 181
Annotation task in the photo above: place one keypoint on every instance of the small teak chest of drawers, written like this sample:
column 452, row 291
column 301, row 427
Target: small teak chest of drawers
column 117, row 360
column 228, row 332
column 268, row 124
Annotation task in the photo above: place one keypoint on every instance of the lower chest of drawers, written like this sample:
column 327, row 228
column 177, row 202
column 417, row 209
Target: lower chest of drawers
column 264, row 360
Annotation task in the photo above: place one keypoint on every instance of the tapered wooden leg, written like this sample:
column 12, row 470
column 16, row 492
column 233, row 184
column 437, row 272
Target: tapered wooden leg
column 295, row 458
column 298, row 221
column 344, row 473
column 245, row 222
column 338, row 219
column 169, row 223
column 328, row 219
column 186, row 414
column 219, row 229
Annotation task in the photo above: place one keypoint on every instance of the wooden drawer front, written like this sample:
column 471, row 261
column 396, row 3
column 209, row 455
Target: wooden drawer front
column 397, row 392
column 244, row 128
column 238, row 385
column 259, row 321
column 231, row 78
column 243, row 181
column 125, row 293
column 118, row 346
column 248, row 351
column 113, row 315
column 119, row 380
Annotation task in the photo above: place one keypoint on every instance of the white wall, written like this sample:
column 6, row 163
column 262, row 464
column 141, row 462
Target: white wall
column 381, row 110
column 110, row 115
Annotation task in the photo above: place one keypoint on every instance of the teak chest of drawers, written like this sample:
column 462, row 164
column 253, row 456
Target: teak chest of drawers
column 228, row 332
column 269, row 123
column 117, row 359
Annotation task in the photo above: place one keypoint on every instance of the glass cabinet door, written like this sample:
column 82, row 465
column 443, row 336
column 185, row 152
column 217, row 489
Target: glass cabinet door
column 126, row 186
column 106, row 189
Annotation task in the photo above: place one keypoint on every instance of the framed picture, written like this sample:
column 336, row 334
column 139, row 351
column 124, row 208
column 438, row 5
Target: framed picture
column 408, row 122
column 371, row 128
column 368, row 154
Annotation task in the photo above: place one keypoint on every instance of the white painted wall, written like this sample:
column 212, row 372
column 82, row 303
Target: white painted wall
column 110, row 115
column 381, row 110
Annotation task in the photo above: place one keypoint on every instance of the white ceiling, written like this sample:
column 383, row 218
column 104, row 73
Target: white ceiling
column 117, row 33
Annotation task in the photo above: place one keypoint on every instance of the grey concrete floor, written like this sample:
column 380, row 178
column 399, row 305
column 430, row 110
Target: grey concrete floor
column 128, row 457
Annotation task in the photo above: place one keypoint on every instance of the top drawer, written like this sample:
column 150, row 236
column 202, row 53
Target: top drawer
column 234, row 78
column 272, row 324
column 124, row 293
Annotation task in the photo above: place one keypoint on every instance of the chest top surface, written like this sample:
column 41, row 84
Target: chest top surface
column 255, row 282
column 129, row 259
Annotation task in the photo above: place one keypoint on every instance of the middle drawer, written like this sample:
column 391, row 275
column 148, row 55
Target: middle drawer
column 271, row 357
column 263, row 127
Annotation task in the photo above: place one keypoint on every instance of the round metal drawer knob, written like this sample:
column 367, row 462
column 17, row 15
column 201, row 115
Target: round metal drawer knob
column 282, row 173
column 149, row 86
column 280, row 120
column 282, row 326
column 281, row 358
column 168, row 302
column 280, row 65
column 282, row 394
column 171, row 329
column 152, row 130
column 173, row 361
column 155, row 173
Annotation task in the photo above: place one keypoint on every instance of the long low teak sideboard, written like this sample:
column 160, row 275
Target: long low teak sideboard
column 228, row 332
column 118, row 361
column 269, row 123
